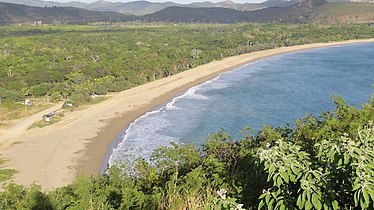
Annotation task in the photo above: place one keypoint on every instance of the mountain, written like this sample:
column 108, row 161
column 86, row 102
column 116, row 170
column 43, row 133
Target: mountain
column 145, row 7
column 354, row 1
column 299, row 13
column 215, row 15
column 333, row 13
column 307, row 11
column 16, row 13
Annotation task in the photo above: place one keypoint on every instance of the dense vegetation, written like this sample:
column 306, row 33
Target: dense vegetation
column 17, row 13
column 321, row 162
column 76, row 61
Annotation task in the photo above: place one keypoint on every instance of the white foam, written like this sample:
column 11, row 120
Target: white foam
column 146, row 124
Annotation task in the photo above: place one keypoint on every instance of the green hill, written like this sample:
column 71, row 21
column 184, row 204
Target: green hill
column 16, row 13
column 146, row 7
column 298, row 13
column 344, row 13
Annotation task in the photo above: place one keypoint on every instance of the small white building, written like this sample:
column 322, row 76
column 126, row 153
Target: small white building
column 28, row 102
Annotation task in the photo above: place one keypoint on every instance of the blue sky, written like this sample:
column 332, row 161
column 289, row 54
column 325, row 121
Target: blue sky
column 177, row 1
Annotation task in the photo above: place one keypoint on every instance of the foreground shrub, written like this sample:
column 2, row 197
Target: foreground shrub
column 321, row 163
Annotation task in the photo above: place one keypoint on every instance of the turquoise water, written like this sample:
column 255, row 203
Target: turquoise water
column 273, row 91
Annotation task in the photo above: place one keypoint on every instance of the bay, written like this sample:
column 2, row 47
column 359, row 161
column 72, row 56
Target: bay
column 273, row 91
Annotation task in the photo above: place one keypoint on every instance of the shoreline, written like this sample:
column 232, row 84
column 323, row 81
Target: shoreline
column 79, row 143
column 91, row 148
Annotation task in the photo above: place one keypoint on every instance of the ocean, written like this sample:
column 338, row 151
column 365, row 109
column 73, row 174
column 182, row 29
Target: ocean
column 273, row 91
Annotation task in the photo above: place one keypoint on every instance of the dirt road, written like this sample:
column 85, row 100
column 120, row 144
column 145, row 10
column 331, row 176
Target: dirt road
column 10, row 135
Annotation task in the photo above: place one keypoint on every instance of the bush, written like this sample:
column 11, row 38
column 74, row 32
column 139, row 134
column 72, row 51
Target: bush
column 40, row 90
column 322, row 163
column 55, row 97
column 100, row 89
column 80, row 96
column 10, row 95
column 118, row 86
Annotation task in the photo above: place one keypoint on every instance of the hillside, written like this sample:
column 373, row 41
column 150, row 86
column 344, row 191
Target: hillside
column 333, row 13
column 295, row 14
column 15, row 13
column 308, row 11
column 200, row 15
column 145, row 7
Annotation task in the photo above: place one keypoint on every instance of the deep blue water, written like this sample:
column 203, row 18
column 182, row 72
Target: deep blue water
column 273, row 91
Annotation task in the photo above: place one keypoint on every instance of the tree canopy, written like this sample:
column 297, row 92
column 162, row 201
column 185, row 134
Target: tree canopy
column 62, row 60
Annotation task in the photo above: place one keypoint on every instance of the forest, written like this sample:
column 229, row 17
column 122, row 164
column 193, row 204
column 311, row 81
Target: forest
column 324, row 162
column 74, row 62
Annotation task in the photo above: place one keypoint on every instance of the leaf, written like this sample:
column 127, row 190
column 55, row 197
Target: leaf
column 262, row 196
column 267, row 198
column 316, row 201
column 261, row 204
column 271, row 169
column 293, row 178
column 340, row 162
column 362, row 204
column 270, row 206
column 366, row 197
column 295, row 170
column 356, row 185
column 300, row 202
column 308, row 205
column 371, row 193
column 335, row 205
column 279, row 203
column 279, row 181
column 231, row 200
column 356, row 198
column 285, row 177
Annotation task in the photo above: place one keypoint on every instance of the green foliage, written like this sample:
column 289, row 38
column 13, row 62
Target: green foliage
column 40, row 90
column 52, row 60
column 320, row 163
column 80, row 96
column 19, row 197
column 55, row 97
column 6, row 174
column 222, row 202
column 9, row 95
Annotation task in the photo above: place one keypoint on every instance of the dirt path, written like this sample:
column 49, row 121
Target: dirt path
column 9, row 136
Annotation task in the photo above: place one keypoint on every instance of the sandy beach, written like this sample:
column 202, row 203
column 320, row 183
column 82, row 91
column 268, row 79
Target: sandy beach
column 52, row 156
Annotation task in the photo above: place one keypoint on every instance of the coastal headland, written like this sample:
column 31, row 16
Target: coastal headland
column 52, row 156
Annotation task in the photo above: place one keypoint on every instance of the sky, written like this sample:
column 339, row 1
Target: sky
column 176, row 1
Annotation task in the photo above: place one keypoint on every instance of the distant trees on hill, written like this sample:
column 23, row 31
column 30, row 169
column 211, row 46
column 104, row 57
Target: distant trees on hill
column 62, row 60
